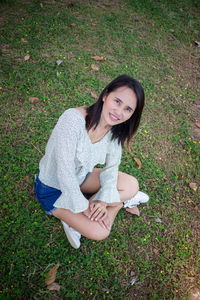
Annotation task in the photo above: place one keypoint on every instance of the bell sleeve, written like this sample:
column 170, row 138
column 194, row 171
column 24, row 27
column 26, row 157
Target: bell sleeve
column 108, row 177
column 67, row 132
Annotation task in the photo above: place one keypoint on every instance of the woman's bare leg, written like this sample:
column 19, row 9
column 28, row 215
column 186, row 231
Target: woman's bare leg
column 127, row 187
column 90, row 229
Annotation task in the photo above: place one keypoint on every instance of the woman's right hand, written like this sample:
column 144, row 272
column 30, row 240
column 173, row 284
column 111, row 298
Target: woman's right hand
column 105, row 223
column 98, row 210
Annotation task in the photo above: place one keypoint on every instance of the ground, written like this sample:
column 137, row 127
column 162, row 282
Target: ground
column 155, row 256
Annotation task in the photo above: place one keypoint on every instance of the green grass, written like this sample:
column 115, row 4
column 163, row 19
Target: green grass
column 153, row 42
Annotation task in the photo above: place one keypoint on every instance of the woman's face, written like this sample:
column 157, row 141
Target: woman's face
column 118, row 106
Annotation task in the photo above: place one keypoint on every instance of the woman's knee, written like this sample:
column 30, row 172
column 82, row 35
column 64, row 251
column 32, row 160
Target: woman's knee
column 99, row 235
column 134, row 185
column 128, row 183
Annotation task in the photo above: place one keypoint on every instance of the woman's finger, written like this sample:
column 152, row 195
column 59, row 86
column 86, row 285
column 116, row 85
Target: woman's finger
column 107, row 223
column 96, row 213
column 100, row 215
column 104, row 215
column 93, row 208
column 92, row 205
column 101, row 223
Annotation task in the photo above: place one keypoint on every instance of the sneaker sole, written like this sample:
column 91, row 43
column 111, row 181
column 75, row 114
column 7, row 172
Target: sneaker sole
column 73, row 243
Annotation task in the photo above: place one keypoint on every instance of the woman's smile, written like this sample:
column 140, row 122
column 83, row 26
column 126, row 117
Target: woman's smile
column 113, row 117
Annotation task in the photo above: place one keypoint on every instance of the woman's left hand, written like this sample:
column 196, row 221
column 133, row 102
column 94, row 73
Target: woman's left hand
column 98, row 211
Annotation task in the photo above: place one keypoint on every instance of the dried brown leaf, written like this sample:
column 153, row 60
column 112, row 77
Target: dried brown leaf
column 155, row 251
column 72, row 25
column 197, row 207
column 149, row 180
column 33, row 99
column 138, row 162
column 93, row 24
column 51, row 276
column 191, row 278
column 95, row 67
column 24, row 40
column 69, row 55
column 194, row 294
column 193, row 186
column 27, row 179
column 101, row 58
column 133, row 211
column 53, row 287
column 26, row 57
column 94, row 95
column 197, row 124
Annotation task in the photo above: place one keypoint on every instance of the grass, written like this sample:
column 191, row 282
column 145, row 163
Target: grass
column 153, row 42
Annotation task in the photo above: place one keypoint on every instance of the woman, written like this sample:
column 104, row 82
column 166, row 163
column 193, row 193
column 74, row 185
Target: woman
column 82, row 138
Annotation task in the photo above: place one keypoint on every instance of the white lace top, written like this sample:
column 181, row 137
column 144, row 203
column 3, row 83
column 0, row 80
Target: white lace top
column 70, row 155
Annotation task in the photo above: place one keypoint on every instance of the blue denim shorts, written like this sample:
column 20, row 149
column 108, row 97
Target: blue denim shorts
column 47, row 195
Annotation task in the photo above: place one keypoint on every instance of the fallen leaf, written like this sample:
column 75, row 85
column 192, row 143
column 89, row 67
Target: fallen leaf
column 149, row 180
column 194, row 294
column 133, row 210
column 190, row 278
column 197, row 43
column 53, row 287
column 193, row 186
column 94, row 67
column 33, row 99
column 94, row 95
column 69, row 55
column 93, row 24
column 155, row 251
column 158, row 220
column 138, row 162
column 197, row 207
column 26, row 57
column 23, row 40
column 197, row 124
column 27, row 179
column 59, row 61
column 51, row 276
column 72, row 25
column 98, row 58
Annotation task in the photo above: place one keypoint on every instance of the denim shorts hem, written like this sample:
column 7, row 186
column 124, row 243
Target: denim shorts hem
column 49, row 212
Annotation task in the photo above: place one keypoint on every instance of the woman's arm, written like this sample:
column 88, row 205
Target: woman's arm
column 67, row 135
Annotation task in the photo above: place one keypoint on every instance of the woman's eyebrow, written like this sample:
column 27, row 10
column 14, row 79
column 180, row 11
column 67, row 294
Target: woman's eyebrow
column 122, row 102
column 118, row 99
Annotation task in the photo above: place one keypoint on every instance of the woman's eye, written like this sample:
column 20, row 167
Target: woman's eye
column 117, row 100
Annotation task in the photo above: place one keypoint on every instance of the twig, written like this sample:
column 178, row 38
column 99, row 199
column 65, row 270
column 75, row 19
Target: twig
column 36, row 148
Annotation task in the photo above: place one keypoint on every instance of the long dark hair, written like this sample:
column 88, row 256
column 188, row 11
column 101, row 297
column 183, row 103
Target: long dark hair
column 122, row 132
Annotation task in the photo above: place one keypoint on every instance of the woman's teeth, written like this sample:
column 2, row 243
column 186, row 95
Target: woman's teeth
column 113, row 117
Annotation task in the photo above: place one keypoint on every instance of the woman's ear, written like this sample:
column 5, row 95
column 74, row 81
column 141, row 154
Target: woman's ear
column 104, row 98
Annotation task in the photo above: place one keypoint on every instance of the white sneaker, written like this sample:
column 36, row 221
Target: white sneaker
column 140, row 197
column 72, row 235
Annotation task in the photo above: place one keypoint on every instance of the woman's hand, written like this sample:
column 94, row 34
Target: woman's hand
column 87, row 212
column 98, row 211
column 105, row 223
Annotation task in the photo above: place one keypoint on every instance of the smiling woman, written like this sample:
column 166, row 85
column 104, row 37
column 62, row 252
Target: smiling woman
column 82, row 138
